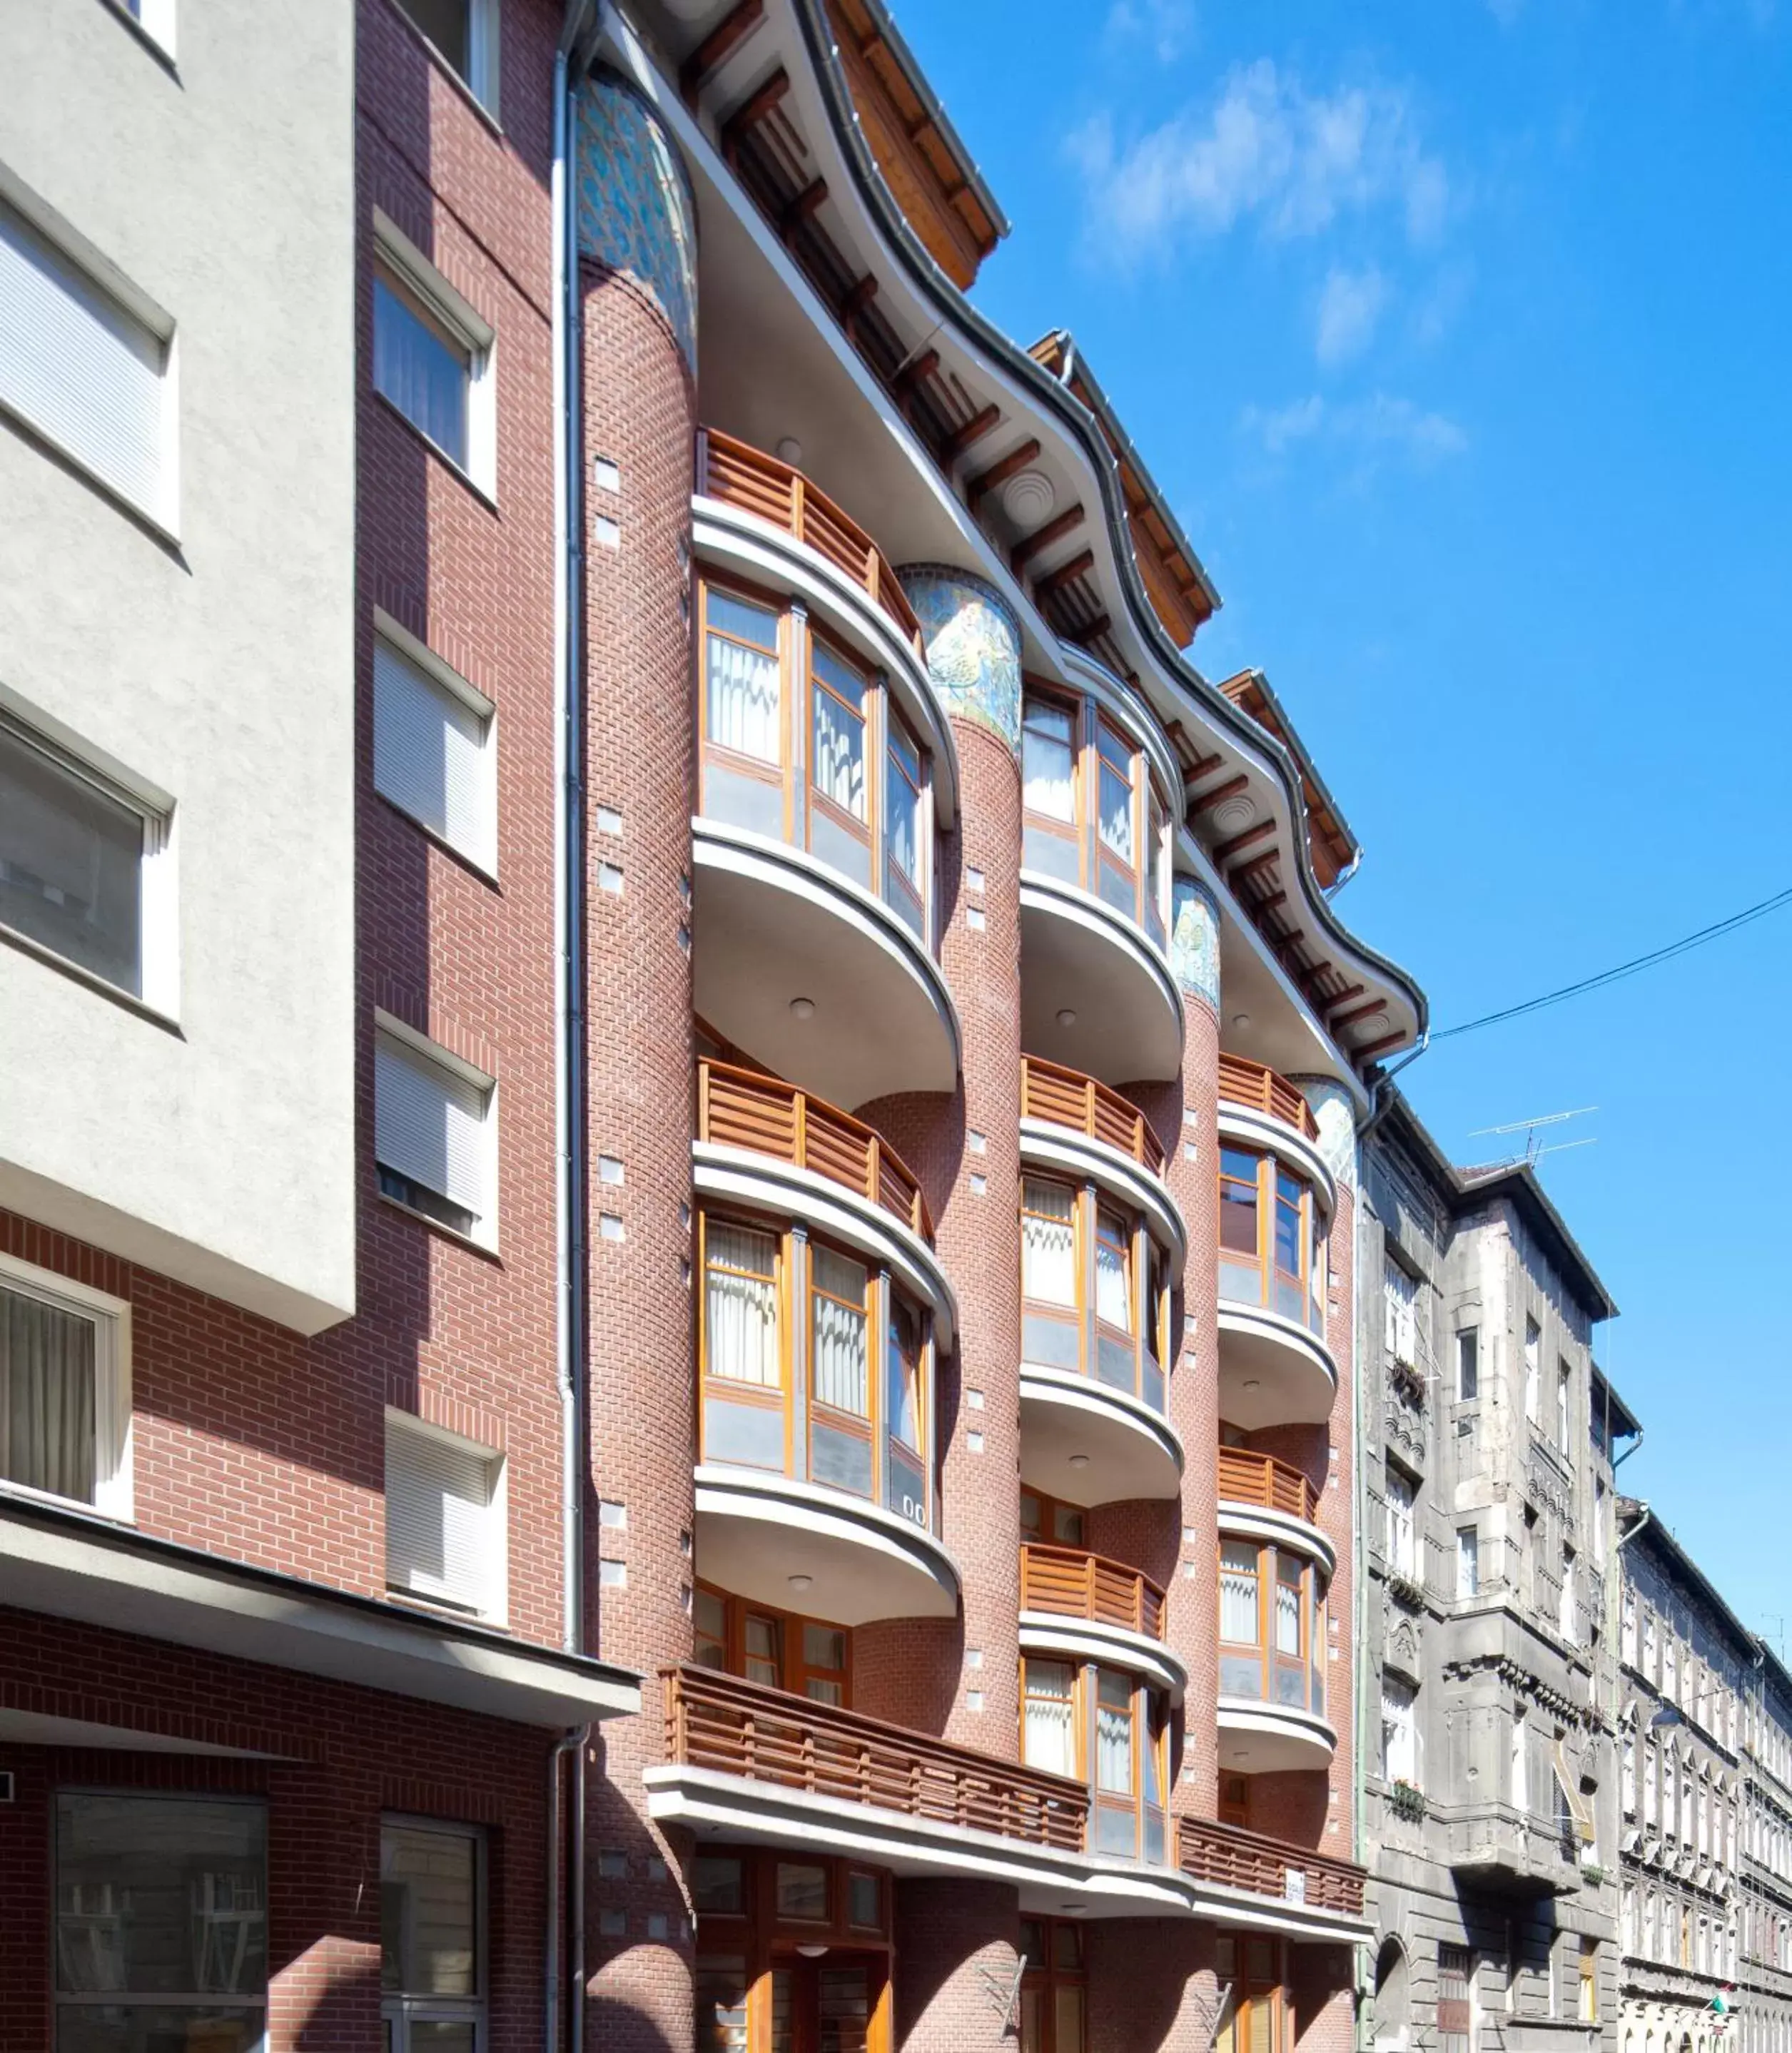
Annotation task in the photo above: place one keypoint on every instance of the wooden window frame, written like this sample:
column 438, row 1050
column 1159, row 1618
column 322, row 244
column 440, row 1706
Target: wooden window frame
column 1249, row 1991
column 865, row 1426
column 1101, row 728
column 799, row 680
column 1148, row 1283
column 1070, row 704
column 1312, row 1280
column 795, row 1671
column 1041, row 1979
column 1148, row 811
column 1049, row 1506
column 1311, row 1612
column 1148, row 1714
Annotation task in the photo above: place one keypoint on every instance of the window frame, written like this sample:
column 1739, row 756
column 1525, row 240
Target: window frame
column 159, row 967
column 1147, row 1335
column 797, row 636
column 399, row 2010
column 796, row 1670
column 1311, row 1281
column 484, row 39
column 483, row 1232
column 493, row 1607
column 114, row 1427
column 465, row 328
column 1315, row 1588
column 419, row 657
column 1148, row 1733
column 1403, row 1729
column 1046, row 1980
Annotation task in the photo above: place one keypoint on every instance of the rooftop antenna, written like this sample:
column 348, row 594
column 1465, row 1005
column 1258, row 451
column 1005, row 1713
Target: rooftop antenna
column 1777, row 1618
column 1529, row 1128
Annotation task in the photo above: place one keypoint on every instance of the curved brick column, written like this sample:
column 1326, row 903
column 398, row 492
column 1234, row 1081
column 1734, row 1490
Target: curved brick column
column 638, row 413
column 1191, row 1168
column 956, row 1945
column 1152, row 1988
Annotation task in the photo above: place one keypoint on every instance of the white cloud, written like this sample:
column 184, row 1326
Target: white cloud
column 1265, row 150
column 1350, row 304
column 1367, row 431
column 1167, row 26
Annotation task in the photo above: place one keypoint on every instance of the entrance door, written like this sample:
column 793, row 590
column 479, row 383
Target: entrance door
column 828, row 2005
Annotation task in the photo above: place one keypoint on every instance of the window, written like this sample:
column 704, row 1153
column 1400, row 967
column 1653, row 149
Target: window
column 1113, row 1272
column 88, row 365
column 1048, row 759
column 64, row 1389
column 1114, row 1733
column 1048, row 1715
column 155, row 18
column 434, row 1132
column 432, row 357
column 809, row 1656
column 1044, row 1521
column 1468, row 1562
column 1114, row 820
column 1239, row 1621
column 740, row 1303
column 433, row 752
column 1271, row 1238
column 1563, row 1385
column 1565, row 1621
column 1600, row 1508
column 902, row 814
column 432, row 1937
column 1054, row 1987
column 1533, row 1345
column 838, row 1333
column 445, row 1520
column 743, row 679
column 1399, row 1731
column 465, row 34
column 1402, row 1492
column 1400, row 1298
column 161, row 1922
column 86, row 870
column 1048, row 1243
column 1468, row 1367
column 1455, row 2020
column 1521, row 1764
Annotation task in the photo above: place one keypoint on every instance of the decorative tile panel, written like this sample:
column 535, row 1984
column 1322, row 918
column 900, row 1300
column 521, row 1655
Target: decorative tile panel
column 1336, row 1117
column 635, row 212
column 1194, row 939
column 973, row 647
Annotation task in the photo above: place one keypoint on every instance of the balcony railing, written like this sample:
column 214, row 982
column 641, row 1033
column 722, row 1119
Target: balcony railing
column 735, row 1727
column 739, row 1108
column 1246, row 1478
column 738, row 475
column 1244, row 1083
column 1069, row 1583
column 1067, row 1097
column 1229, row 1857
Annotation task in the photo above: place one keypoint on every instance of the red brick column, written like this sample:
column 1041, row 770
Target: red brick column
column 1152, row 1988
column 638, row 413
column 956, row 1946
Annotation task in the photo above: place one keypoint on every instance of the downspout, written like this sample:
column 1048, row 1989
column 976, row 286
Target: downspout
column 1380, row 1098
column 569, row 1080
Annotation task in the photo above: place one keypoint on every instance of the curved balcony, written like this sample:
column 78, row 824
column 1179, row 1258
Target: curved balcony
column 823, row 767
column 1087, row 1608
column 1276, row 1369
column 821, row 1306
column 1272, row 1645
column 1271, row 1501
column 1261, row 1110
column 1230, row 1858
column 1096, row 990
column 1073, row 1126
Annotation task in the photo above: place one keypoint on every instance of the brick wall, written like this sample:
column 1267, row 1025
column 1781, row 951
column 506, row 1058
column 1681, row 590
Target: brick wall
column 956, row 1945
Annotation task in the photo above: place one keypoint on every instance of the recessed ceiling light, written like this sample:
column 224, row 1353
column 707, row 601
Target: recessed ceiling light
column 1241, row 1019
column 1072, row 1909
column 802, row 1008
column 1251, row 1382
column 1079, row 1461
column 801, row 1583
column 812, row 1951
column 790, row 450
column 1067, row 1017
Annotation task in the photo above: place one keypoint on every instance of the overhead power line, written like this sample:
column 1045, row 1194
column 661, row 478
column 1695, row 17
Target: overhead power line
column 1631, row 968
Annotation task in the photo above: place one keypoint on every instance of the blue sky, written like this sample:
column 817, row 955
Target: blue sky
column 1456, row 331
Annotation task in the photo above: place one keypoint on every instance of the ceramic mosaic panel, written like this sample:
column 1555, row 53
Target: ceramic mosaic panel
column 1194, row 939
column 1337, row 1117
column 973, row 647
column 636, row 214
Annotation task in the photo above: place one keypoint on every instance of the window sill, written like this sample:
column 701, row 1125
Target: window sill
column 153, row 1015
column 455, row 470
column 152, row 525
column 487, row 1249
column 457, row 856
column 114, row 1513
column 157, row 48
column 448, row 1612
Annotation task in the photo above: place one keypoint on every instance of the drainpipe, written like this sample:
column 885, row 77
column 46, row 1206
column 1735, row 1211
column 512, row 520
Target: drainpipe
column 569, row 1036
column 1380, row 1098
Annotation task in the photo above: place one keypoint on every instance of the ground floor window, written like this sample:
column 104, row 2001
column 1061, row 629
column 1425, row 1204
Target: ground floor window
column 1455, row 2020
column 161, row 1923
column 1054, row 1987
column 1251, row 1975
column 432, row 1938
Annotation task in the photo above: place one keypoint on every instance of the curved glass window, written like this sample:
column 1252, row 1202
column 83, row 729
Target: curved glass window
column 1108, row 1729
column 1095, row 1289
column 1272, row 1245
column 1273, row 1631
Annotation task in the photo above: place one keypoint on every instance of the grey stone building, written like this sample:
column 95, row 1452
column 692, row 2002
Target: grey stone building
column 1490, row 1797
column 1705, row 1738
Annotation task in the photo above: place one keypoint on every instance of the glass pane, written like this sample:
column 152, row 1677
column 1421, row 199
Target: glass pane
column 1114, row 1735
column 762, row 1641
column 839, row 1336
column 446, row 23
column 1032, row 1526
column 902, row 1395
column 1066, row 1949
column 745, row 709
column 420, row 368
column 820, row 1691
column 1032, row 2021
column 1288, row 1226
column 157, row 1894
column 901, row 814
column 824, row 1647
column 1048, row 1737
column 1049, row 1243
column 162, row 2028
column 1238, row 1594
column 445, row 2035
column 864, row 1902
column 1287, row 1607
column 838, row 763
column 741, row 1305
column 1067, row 2020
column 1117, row 813
column 1238, row 1202
column 428, row 1895
column 71, row 866
column 47, row 1429
column 1048, row 749
column 1067, row 1525
column 802, row 1892
column 1113, row 1291
column 717, row 1885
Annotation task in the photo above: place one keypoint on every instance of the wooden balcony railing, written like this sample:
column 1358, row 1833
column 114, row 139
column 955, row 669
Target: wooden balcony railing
column 1243, row 1081
column 1067, row 1097
column 1246, row 1478
column 735, row 1727
column 1231, row 1857
column 1071, row 1583
column 741, row 1109
column 738, row 475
